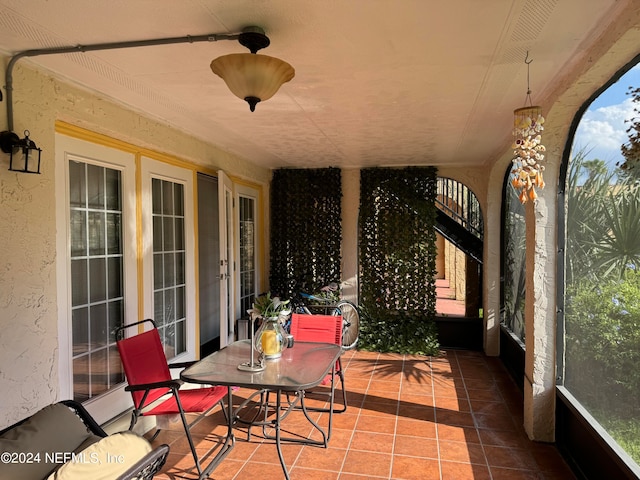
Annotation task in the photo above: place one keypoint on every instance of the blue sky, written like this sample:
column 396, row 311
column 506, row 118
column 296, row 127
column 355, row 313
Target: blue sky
column 602, row 129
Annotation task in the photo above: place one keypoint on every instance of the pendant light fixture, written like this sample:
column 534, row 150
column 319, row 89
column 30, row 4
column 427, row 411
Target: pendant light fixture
column 251, row 77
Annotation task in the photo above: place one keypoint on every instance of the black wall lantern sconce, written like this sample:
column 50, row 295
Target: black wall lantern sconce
column 24, row 155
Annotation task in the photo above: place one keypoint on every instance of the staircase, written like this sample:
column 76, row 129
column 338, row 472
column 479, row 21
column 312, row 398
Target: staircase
column 459, row 218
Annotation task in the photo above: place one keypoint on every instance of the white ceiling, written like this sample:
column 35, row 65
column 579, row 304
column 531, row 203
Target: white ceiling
column 378, row 82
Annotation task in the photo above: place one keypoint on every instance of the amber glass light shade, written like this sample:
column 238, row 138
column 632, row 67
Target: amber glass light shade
column 251, row 77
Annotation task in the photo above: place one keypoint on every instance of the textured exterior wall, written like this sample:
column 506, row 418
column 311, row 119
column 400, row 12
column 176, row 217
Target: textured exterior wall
column 29, row 317
column 28, row 323
column 440, row 258
column 350, row 209
column 461, row 274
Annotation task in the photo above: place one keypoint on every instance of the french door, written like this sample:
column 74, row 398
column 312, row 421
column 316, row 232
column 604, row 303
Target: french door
column 96, row 270
column 126, row 251
column 109, row 258
column 247, row 274
column 227, row 262
column 168, row 256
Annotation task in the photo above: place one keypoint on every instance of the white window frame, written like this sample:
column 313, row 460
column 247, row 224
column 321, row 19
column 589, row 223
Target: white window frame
column 253, row 193
column 150, row 169
column 112, row 403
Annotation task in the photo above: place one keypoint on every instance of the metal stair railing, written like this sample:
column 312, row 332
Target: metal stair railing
column 459, row 218
column 458, row 202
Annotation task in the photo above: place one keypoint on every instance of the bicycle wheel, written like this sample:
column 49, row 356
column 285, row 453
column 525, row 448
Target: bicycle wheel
column 350, row 323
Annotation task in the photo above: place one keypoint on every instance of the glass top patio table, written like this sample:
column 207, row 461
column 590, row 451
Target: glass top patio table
column 300, row 367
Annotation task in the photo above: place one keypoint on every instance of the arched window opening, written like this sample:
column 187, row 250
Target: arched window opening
column 599, row 278
column 459, row 236
column 513, row 261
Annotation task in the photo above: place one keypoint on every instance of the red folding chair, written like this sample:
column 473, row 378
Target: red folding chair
column 321, row 328
column 155, row 393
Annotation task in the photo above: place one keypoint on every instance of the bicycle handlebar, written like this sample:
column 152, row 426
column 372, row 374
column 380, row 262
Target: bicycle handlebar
column 313, row 297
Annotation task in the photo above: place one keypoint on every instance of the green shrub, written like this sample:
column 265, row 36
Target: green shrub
column 397, row 332
column 397, row 251
column 603, row 344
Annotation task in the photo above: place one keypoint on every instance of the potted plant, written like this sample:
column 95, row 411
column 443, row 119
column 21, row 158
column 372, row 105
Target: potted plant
column 270, row 339
column 265, row 306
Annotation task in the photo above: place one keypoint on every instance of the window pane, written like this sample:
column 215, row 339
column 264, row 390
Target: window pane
column 514, row 264
column 157, row 234
column 179, row 233
column 247, row 253
column 95, row 186
column 98, row 323
column 114, row 227
column 81, row 376
column 158, row 308
column 178, row 199
column 78, row 231
column 80, row 293
column 602, row 280
column 181, row 344
column 97, row 233
column 167, row 198
column 95, row 277
column 169, row 306
column 170, row 340
column 180, row 300
column 113, row 189
column 179, row 272
column 158, row 271
column 169, row 266
column 156, row 200
column 115, row 277
column 169, row 270
column 116, row 318
column 77, row 185
column 99, row 372
column 80, row 330
column 167, row 226
column 116, row 373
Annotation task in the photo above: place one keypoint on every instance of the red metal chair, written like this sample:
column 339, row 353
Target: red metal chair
column 156, row 393
column 321, row 328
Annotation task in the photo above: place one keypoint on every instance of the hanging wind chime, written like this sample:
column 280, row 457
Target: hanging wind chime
column 528, row 149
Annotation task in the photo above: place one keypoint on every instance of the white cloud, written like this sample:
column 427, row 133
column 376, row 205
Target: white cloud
column 602, row 131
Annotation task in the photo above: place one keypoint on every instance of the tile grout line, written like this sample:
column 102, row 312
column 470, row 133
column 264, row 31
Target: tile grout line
column 395, row 426
column 435, row 415
column 353, row 430
column 473, row 416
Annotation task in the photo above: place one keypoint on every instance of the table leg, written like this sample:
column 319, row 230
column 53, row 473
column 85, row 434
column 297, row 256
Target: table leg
column 229, row 441
column 278, row 445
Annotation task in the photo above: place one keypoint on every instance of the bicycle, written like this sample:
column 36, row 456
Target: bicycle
column 308, row 304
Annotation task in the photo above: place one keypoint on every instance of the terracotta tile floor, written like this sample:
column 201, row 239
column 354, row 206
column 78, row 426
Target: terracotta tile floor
column 456, row 416
column 446, row 303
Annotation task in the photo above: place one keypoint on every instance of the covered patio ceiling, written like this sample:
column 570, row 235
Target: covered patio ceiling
column 378, row 82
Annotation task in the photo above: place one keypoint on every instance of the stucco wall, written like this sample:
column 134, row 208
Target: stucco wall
column 28, row 306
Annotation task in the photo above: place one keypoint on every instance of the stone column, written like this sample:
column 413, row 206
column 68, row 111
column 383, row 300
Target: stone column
column 540, row 318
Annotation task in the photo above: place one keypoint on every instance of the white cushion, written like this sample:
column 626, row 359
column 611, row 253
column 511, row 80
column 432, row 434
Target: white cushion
column 105, row 460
